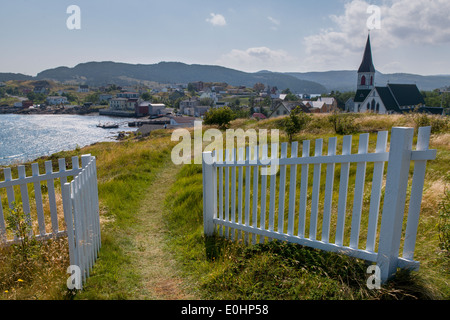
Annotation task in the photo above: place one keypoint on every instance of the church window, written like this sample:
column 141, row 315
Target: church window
column 363, row 80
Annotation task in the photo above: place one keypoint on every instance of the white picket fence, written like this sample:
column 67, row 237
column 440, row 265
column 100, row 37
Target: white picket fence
column 341, row 229
column 77, row 200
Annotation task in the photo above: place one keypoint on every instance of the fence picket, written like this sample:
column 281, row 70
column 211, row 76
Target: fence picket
column 328, row 192
column 240, row 187
column 303, row 191
column 38, row 199
column 273, row 181
column 292, row 189
column 343, row 186
column 3, row 237
column 359, row 192
column 255, row 192
column 24, row 194
column 246, row 219
column 423, row 139
column 377, row 180
column 52, row 197
column 282, row 189
column 9, row 190
column 233, row 194
column 227, row 191
column 220, row 160
column 262, row 224
column 315, row 191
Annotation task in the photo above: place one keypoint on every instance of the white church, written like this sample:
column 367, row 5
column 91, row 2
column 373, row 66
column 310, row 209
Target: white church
column 393, row 98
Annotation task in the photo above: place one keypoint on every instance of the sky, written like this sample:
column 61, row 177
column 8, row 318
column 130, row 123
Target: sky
column 409, row 36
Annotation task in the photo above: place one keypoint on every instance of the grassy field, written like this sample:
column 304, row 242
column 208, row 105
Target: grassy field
column 152, row 224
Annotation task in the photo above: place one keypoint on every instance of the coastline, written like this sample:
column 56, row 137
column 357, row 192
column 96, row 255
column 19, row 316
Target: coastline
column 22, row 142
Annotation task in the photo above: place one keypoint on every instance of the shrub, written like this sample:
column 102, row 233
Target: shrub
column 343, row 123
column 221, row 117
column 19, row 223
column 295, row 123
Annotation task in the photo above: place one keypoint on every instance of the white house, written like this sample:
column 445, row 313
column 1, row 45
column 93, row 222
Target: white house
column 56, row 100
column 83, row 88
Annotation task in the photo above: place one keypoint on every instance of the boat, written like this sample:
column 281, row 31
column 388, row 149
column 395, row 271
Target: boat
column 108, row 125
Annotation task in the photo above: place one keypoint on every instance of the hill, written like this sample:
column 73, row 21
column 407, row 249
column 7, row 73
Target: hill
column 102, row 73
column 14, row 76
column 345, row 80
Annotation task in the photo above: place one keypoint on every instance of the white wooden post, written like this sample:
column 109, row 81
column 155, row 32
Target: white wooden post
column 423, row 141
column 208, row 195
column 394, row 201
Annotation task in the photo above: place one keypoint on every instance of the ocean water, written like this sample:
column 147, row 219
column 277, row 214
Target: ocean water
column 27, row 137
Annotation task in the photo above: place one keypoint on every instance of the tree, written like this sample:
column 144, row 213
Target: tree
column 220, row 116
column 291, row 97
column 259, row 87
column 146, row 96
column 295, row 123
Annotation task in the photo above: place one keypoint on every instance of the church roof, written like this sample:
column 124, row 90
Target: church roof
column 367, row 62
column 361, row 95
column 406, row 94
column 396, row 96
column 388, row 99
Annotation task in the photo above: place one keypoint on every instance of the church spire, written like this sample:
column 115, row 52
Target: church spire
column 367, row 63
column 366, row 72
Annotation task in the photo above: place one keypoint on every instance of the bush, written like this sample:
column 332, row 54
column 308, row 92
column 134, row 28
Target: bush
column 221, row 117
column 343, row 123
column 437, row 123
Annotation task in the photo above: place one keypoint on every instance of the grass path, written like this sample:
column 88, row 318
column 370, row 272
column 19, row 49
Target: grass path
column 152, row 260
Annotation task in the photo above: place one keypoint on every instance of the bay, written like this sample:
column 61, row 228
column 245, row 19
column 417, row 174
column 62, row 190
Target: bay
column 27, row 137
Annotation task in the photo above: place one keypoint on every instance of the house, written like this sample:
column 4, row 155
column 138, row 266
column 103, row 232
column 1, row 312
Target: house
column 128, row 95
column 83, row 88
column 284, row 108
column 56, row 100
column 143, row 109
column 316, row 106
column 118, row 104
column 188, row 104
column 157, row 109
column 330, row 103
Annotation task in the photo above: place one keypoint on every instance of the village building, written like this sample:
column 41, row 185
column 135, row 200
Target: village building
column 83, row 88
column 393, row 98
column 56, row 100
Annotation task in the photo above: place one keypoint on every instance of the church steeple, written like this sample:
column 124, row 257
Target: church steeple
column 366, row 72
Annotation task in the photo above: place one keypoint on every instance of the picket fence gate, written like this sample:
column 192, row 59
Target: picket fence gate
column 80, row 208
column 220, row 201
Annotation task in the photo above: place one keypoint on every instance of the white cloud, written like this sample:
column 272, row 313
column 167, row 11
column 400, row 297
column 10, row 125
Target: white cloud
column 275, row 23
column 258, row 58
column 217, row 20
column 403, row 23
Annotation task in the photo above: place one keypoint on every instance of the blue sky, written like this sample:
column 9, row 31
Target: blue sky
column 248, row 35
